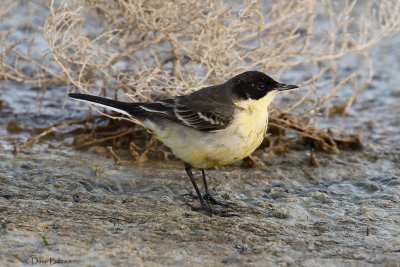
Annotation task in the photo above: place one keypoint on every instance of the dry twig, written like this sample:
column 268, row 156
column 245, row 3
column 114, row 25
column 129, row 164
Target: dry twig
column 146, row 50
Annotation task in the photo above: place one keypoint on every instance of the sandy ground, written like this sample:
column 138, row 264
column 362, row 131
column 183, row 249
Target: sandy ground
column 80, row 208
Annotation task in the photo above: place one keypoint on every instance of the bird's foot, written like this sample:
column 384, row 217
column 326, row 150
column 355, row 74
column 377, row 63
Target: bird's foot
column 210, row 199
column 210, row 212
column 189, row 194
column 207, row 200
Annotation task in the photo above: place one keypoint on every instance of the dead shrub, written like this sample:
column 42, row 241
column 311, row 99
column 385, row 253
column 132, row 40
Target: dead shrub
column 145, row 50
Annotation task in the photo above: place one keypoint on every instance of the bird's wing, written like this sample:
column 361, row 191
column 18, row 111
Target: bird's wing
column 208, row 109
column 201, row 114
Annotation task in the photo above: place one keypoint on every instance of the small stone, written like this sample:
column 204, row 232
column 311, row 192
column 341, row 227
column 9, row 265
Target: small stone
column 311, row 245
column 277, row 190
column 26, row 166
column 265, row 205
column 319, row 195
column 281, row 213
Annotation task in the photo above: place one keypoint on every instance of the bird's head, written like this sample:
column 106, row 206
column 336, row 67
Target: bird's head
column 255, row 85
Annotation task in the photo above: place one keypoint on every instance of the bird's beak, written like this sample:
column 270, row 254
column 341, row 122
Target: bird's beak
column 284, row 87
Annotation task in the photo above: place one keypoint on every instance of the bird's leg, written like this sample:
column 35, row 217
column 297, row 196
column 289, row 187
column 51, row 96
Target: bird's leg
column 208, row 197
column 205, row 181
column 206, row 207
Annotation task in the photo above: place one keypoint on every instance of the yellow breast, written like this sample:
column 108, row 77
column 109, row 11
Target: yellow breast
column 209, row 149
column 250, row 124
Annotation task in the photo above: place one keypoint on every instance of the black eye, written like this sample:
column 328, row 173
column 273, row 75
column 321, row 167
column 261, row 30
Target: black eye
column 261, row 87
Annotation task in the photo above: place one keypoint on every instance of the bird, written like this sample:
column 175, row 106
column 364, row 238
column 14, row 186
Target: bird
column 211, row 127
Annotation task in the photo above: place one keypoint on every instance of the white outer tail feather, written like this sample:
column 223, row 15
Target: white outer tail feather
column 104, row 106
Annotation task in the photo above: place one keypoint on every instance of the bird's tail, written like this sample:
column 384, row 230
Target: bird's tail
column 118, row 106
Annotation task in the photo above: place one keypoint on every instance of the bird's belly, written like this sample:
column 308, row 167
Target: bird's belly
column 210, row 149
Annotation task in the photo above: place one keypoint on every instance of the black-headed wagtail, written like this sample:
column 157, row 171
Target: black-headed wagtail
column 211, row 127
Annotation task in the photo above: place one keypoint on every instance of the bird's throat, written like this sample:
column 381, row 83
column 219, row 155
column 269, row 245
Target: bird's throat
column 256, row 106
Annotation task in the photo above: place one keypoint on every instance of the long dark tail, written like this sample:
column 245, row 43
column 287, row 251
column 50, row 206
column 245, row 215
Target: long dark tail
column 121, row 107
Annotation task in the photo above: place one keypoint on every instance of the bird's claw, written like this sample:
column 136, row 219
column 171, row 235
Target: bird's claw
column 208, row 199
column 207, row 210
column 190, row 194
column 210, row 212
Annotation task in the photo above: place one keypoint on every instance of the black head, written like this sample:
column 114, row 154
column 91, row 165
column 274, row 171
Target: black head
column 255, row 85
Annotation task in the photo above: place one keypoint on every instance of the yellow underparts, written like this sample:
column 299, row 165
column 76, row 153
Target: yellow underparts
column 210, row 149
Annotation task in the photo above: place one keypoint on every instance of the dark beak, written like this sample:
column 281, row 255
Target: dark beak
column 284, row 87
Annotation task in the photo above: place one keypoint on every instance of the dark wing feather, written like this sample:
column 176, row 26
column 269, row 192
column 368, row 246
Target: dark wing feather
column 201, row 120
column 209, row 109
column 182, row 113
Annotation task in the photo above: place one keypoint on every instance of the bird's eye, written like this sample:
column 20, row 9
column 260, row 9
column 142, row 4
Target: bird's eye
column 261, row 87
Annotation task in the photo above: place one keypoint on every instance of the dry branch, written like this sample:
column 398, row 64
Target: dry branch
column 145, row 50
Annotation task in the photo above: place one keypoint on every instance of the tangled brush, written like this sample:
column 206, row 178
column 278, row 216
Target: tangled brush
column 141, row 50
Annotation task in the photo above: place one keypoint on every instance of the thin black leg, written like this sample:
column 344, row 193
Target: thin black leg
column 205, row 181
column 205, row 206
column 208, row 197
